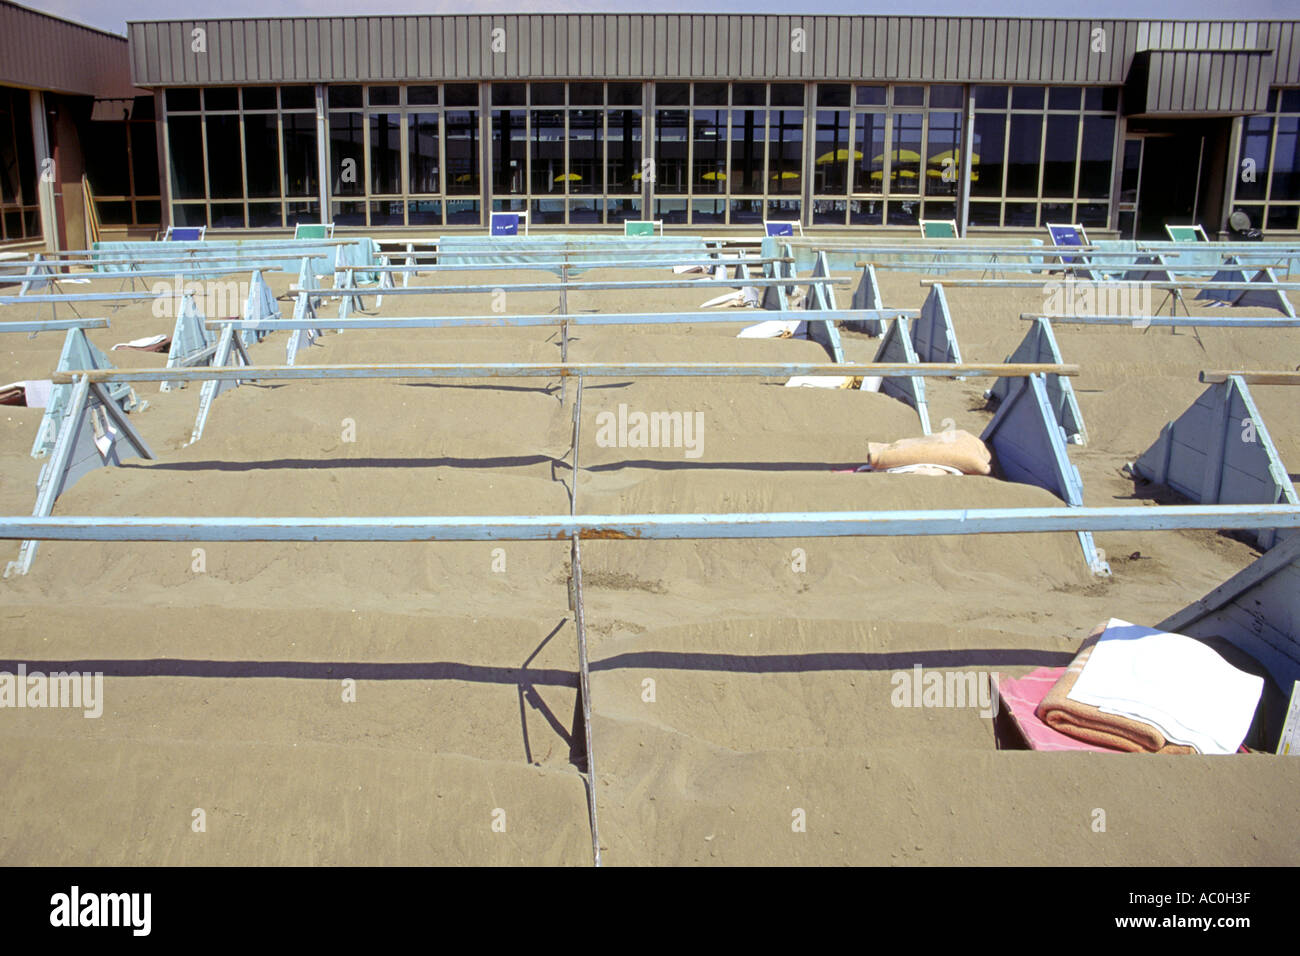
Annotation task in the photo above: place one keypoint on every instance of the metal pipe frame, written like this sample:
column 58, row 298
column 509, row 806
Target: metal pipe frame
column 550, row 319
column 53, row 325
column 608, row 527
column 1103, row 283
column 1203, row 321
column 150, row 260
column 603, row 264
column 248, row 373
column 591, row 286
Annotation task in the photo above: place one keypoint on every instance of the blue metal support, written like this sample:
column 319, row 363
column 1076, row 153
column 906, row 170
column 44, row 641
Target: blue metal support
column 933, row 334
column 53, row 325
column 1176, row 321
column 1039, row 345
column 192, row 343
column 77, row 353
column 897, row 347
column 867, row 296
column 1220, row 452
column 1030, row 448
column 646, row 527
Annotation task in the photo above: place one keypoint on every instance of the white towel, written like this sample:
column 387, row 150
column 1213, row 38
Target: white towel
column 1177, row 684
column 36, row 393
column 773, row 329
column 143, row 343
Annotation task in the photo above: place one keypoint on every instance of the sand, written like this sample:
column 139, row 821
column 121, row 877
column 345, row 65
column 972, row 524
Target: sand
column 225, row 670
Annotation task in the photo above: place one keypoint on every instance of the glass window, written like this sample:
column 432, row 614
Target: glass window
column 905, row 213
column 785, row 150
column 462, row 147
column 259, row 98
column 423, row 96
column 620, row 210
column 747, row 146
column 227, row 215
column 709, row 211
column 869, row 153
column 1021, row 215
column 1059, row 153
column 586, row 94
column 1101, row 98
column 985, row 214
column 383, row 95
column 262, row 155
column 1027, row 97
column 710, row 162
column 1252, row 178
column 347, row 164
column 670, row 151
column 144, row 159
column 1286, row 164
column 424, row 212
column 264, row 215
column 623, row 145
column 990, row 97
column 586, row 166
column 672, row 94
column 905, row 156
column 181, row 100
column 509, row 94
column 909, row 96
column 1064, row 98
column 548, row 153
column 710, row 94
column 298, row 98
column 422, row 152
column 832, row 94
column 221, row 98
column 462, row 94
column 871, row 95
column 866, row 212
column 946, row 97
column 787, row 94
column 388, row 212
column 509, row 151
column 1098, row 148
column 623, row 94
column 943, row 154
column 344, row 96
column 385, row 153
column 1024, row 143
column 225, row 160
column 745, row 211
column 749, row 94
column 300, row 174
column 547, row 94
column 988, row 154
column 831, row 163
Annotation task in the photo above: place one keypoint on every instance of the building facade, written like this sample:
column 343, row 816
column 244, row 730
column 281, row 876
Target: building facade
column 708, row 122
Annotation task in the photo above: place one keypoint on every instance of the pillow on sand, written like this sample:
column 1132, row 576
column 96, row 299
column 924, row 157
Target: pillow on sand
column 956, row 449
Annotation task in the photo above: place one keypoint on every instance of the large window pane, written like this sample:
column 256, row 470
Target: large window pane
column 623, row 143
column 185, row 136
column 785, row 150
column 1256, row 136
column 943, row 154
column 225, row 162
column 1098, row 150
column 144, row 158
column 670, row 153
column 830, row 172
column 509, row 149
column 869, row 153
column 1022, row 156
column 300, row 174
column 710, row 162
column 747, row 131
column 905, row 157
column 585, row 163
column 462, row 160
column 347, row 164
column 988, row 154
column 422, row 153
column 262, row 154
column 548, row 153
column 385, row 154
column 1286, row 164
column 1059, row 154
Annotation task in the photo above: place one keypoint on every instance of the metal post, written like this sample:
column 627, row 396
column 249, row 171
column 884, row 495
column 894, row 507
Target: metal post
column 322, row 154
column 44, row 187
column 967, row 147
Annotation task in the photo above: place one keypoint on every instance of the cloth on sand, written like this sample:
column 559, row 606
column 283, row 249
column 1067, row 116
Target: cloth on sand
column 153, row 343
column 956, row 449
column 33, row 394
column 1020, row 699
column 1176, row 684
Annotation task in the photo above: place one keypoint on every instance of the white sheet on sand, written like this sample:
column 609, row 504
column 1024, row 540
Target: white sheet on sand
column 773, row 329
column 818, row 381
column 741, row 299
column 144, row 343
column 1181, row 686
column 36, row 393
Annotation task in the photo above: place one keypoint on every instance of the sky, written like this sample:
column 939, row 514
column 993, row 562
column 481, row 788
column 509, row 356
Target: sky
column 112, row 14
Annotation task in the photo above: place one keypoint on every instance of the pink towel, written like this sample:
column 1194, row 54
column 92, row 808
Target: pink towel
column 1021, row 698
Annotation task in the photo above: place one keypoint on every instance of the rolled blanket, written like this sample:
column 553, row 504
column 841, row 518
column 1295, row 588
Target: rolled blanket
column 1087, row 723
column 956, row 449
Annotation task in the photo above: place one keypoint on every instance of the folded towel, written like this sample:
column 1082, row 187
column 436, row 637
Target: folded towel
column 1021, row 697
column 1088, row 723
column 1176, row 684
column 956, row 449
column 33, row 394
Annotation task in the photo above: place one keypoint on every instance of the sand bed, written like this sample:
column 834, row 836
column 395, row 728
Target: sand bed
column 772, row 686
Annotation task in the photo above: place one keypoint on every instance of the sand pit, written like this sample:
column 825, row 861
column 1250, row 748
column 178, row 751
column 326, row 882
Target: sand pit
column 770, row 660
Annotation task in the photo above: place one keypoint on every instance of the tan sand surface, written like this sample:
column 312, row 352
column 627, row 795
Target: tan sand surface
column 772, row 687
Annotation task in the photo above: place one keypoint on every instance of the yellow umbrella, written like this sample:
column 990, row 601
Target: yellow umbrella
column 900, row 156
column 837, row 156
column 571, row 177
column 955, row 155
column 464, row 177
column 714, row 176
column 785, row 175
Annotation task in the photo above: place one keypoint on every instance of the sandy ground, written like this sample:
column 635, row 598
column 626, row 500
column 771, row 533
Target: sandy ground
column 225, row 669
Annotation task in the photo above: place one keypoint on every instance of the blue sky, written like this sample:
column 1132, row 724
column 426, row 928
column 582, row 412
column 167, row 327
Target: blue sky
column 113, row 14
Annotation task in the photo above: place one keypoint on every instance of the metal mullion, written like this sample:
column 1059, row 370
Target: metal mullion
column 279, row 151
column 243, row 152
column 442, row 150
column 921, row 185
column 1272, row 155
column 1078, row 159
column 207, row 186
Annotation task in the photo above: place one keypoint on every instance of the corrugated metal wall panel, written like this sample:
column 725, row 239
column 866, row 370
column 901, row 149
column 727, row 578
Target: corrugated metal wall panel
column 672, row 46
